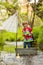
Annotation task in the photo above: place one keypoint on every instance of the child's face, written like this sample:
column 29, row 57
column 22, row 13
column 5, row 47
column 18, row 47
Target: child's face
column 25, row 25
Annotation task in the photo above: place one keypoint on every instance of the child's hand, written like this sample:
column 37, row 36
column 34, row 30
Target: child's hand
column 27, row 32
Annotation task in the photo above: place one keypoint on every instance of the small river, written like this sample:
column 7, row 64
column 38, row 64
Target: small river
column 11, row 59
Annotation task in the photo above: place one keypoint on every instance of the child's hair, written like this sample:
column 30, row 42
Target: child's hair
column 24, row 23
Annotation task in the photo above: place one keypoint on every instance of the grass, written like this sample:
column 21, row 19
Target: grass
column 11, row 48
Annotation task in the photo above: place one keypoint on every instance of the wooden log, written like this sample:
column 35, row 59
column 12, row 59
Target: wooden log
column 26, row 51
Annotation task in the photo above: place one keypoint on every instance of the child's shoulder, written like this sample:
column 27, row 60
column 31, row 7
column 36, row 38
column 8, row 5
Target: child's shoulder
column 29, row 28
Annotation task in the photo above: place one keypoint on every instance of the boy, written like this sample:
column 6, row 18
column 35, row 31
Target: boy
column 27, row 34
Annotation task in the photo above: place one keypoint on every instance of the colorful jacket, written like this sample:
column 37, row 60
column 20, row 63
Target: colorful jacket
column 27, row 34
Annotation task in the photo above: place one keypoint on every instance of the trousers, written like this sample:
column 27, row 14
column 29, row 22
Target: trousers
column 28, row 44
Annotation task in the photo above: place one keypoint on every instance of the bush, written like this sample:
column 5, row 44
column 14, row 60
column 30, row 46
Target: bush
column 35, row 36
column 8, row 36
column 36, row 32
column 40, row 38
column 2, row 40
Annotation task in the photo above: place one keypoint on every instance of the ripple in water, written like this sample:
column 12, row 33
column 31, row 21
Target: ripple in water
column 11, row 59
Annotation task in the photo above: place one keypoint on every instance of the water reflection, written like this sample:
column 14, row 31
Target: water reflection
column 11, row 59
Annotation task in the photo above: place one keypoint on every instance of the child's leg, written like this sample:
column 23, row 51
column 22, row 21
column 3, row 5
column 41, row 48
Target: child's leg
column 24, row 44
column 29, row 44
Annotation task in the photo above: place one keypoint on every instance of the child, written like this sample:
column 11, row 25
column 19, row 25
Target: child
column 27, row 34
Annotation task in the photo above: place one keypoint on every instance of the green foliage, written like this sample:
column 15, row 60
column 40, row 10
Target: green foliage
column 40, row 37
column 8, row 36
column 39, row 9
column 10, row 7
column 37, row 21
column 23, row 16
column 36, row 32
column 14, row 1
column 9, row 48
column 2, row 40
column 20, row 37
column 6, row 4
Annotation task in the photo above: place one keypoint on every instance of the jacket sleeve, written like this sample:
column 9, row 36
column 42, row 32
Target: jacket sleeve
column 23, row 34
column 30, row 29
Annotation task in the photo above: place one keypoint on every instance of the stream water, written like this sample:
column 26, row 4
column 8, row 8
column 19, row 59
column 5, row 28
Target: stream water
column 11, row 59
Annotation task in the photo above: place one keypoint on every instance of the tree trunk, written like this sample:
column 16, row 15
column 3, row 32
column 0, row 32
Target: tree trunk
column 34, row 9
